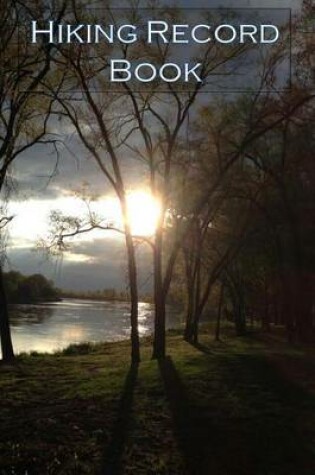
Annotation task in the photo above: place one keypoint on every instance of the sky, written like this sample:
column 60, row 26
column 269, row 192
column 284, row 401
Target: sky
column 97, row 260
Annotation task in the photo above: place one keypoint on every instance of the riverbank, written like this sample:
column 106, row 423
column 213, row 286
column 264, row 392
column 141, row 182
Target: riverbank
column 244, row 406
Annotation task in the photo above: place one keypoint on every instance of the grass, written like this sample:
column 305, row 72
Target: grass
column 241, row 407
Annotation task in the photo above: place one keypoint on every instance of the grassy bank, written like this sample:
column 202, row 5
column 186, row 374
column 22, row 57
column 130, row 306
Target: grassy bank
column 241, row 407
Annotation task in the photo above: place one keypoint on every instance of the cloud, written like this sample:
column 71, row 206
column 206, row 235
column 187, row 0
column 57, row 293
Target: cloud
column 69, row 274
column 105, row 265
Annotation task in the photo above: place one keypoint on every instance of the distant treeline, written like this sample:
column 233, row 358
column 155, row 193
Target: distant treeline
column 104, row 294
column 29, row 289
column 36, row 288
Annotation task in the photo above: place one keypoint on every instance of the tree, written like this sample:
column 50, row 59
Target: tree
column 28, row 289
column 24, row 114
column 226, row 187
column 5, row 334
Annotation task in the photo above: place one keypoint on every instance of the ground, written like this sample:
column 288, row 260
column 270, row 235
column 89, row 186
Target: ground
column 244, row 406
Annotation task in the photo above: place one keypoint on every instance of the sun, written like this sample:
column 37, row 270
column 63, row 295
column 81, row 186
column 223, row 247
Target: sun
column 144, row 212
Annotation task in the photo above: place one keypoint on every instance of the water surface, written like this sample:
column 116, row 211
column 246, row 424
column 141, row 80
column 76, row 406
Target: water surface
column 49, row 327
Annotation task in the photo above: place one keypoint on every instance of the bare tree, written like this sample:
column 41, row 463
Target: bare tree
column 24, row 118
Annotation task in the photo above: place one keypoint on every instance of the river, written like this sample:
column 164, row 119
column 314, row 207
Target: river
column 49, row 327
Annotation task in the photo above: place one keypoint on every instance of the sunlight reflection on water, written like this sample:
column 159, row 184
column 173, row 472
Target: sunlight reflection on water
column 54, row 326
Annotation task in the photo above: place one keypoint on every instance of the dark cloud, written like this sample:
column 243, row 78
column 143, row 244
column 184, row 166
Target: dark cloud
column 39, row 174
column 108, row 247
column 107, row 266
column 70, row 275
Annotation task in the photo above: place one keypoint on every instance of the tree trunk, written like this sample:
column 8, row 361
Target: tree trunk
column 159, row 346
column 240, row 319
column 237, row 298
column 218, row 323
column 266, row 314
column 191, row 308
column 189, row 317
column 5, row 333
column 304, row 320
column 195, row 334
column 198, row 309
column 300, row 325
column 132, row 271
column 159, row 299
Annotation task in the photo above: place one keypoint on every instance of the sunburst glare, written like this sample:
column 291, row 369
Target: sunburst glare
column 143, row 213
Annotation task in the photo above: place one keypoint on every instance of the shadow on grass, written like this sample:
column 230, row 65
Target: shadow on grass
column 235, row 415
column 112, row 460
column 203, row 348
column 190, row 434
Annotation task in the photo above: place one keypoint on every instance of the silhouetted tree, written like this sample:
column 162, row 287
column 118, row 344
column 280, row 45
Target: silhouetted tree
column 23, row 116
